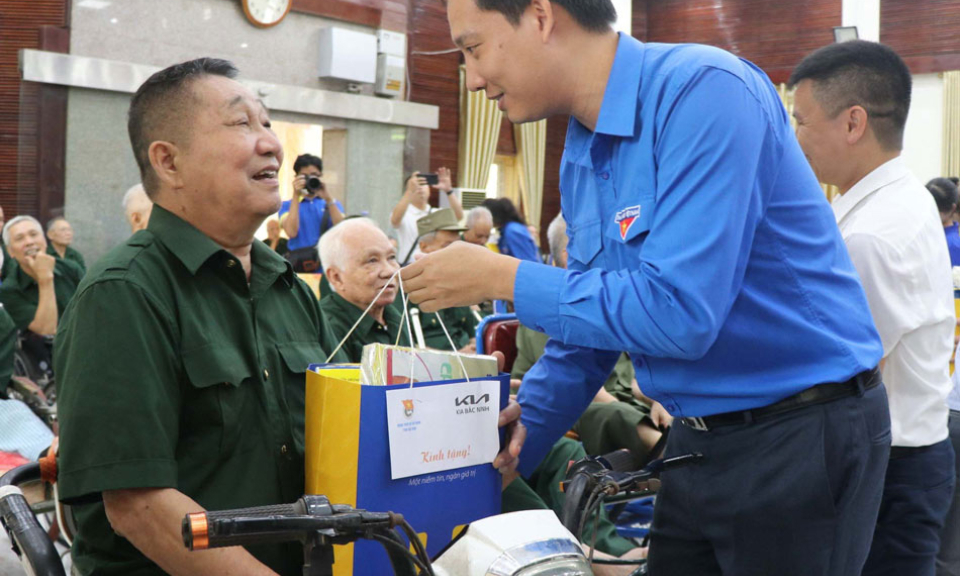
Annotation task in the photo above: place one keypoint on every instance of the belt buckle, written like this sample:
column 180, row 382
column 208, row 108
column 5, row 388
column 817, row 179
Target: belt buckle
column 696, row 423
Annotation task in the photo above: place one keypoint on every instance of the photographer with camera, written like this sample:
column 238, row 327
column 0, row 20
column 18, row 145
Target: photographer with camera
column 310, row 213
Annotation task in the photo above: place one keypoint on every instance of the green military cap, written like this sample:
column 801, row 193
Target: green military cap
column 443, row 219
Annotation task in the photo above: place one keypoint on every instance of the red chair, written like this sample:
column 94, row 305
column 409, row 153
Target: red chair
column 498, row 332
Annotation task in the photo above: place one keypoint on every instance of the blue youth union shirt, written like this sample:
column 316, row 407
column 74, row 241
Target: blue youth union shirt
column 311, row 216
column 700, row 243
column 515, row 241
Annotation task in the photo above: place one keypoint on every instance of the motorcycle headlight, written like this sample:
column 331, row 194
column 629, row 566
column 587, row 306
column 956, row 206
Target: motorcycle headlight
column 554, row 557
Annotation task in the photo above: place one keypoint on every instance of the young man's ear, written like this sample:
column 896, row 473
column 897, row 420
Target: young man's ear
column 542, row 11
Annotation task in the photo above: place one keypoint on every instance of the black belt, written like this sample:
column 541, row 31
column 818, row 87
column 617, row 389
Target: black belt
column 818, row 394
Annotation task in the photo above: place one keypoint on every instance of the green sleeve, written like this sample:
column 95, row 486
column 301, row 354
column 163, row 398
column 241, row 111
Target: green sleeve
column 21, row 310
column 8, row 345
column 118, row 392
column 530, row 345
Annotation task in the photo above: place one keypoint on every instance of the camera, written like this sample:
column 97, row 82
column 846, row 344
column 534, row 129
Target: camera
column 313, row 185
column 431, row 178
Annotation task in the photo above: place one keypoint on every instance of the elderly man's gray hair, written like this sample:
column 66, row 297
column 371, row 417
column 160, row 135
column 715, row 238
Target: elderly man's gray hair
column 14, row 221
column 557, row 236
column 128, row 196
column 331, row 243
column 478, row 214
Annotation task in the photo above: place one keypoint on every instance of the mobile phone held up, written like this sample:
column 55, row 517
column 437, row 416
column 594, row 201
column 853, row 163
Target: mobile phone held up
column 431, row 178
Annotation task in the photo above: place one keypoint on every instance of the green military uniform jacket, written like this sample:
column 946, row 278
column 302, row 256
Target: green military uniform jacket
column 8, row 345
column 530, row 345
column 69, row 254
column 460, row 322
column 342, row 315
column 174, row 372
column 20, row 294
column 8, row 263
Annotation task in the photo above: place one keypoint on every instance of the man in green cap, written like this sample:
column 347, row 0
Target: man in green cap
column 181, row 359
column 436, row 231
column 360, row 263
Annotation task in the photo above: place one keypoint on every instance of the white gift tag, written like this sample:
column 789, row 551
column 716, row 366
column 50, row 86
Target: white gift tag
column 435, row 428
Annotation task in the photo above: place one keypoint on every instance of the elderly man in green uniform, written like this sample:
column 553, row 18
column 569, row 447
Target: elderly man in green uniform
column 436, row 231
column 60, row 234
column 182, row 357
column 360, row 262
column 37, row 290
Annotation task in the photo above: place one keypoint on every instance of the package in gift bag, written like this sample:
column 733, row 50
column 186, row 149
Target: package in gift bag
column 421, row 450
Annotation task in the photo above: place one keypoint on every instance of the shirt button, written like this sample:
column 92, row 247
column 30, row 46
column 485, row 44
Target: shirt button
column 283, row 449
column 231, row 263
column 605, row 175
column 266, row 373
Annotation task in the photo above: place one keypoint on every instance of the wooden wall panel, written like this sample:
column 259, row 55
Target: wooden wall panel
column 556, row 135
column 20, row 25
column 434, row 78
column 638, row 24
column 773, row 35
column 926, row 33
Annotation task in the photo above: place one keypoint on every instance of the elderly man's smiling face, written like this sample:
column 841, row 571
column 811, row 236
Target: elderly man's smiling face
column 228, row 161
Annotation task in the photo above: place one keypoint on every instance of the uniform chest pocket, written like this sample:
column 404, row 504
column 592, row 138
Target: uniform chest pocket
column 585, row 242
column 220, row 397
column 297, row 357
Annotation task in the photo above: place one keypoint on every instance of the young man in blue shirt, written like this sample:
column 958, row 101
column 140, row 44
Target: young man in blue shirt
column 310, row 213
column 702, row 245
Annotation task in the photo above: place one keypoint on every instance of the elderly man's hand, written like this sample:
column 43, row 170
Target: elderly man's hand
column 39, row 266
column 459, row 275
column 516, row 433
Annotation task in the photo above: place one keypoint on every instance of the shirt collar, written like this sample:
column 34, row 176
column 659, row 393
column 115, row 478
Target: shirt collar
column 194, row 248
column 881, row 176
column 189, row 245
column 352, row 313
column 618, row 112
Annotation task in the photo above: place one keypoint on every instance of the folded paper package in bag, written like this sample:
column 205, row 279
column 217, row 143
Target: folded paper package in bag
column 385, row 365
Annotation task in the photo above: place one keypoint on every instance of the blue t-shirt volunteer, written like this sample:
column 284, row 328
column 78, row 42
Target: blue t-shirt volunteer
column 700, row 243
column 312, row 222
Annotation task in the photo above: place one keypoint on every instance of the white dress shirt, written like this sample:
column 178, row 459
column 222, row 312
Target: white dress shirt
column 892, row 229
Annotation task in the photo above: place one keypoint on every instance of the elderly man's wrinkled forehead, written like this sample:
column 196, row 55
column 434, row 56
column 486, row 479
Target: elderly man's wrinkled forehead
column 364, row 241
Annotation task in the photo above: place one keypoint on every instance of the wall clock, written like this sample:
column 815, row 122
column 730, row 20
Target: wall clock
column 266, row 13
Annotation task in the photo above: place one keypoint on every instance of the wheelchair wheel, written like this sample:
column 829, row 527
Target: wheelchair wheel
column 24, row 365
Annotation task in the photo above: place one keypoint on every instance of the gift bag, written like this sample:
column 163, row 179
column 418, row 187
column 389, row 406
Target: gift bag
column 348, row 457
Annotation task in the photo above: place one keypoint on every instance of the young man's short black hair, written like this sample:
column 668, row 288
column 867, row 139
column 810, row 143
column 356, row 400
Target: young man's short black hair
column 591, row 15
column 945, row 194
column 861, row 73
column 305, row 160
column 159, row 108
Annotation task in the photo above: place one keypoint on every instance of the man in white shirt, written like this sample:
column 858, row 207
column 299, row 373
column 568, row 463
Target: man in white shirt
column 413, row 205
column 851, row 106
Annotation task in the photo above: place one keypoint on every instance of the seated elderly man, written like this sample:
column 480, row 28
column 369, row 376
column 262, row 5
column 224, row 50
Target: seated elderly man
column 60, row 234
column 359, row 262
column 38, row 290
column 620, row 416
column 184, row 355
column 136, row 207
column 479, row 226
column 438, row 230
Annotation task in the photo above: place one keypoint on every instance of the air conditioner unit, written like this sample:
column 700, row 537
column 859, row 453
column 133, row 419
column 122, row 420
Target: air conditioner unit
column 348, row 55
